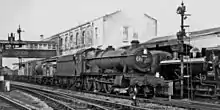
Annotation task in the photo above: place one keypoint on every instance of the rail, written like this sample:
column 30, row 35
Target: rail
column 59, row 101
column 161, row 101
column 92, row 102
column 15, row 103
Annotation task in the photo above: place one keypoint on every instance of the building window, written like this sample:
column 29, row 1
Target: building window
column 66, row 42
column 88, row 36
column 49, row 46
column 83, row 37
column 31, row 46
column 77, row 37
column 125, row 33
column 96, row 32
column 61, row 43
column 35, row 46
column 71, row 39
column 135, row 35
column 40, row 46
column 28, row 45
column 54, row 46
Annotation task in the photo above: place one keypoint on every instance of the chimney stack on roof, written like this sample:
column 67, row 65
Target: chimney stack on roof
column 41, row 37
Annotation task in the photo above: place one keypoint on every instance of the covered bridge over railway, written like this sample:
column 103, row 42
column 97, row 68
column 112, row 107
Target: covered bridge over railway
column 27, row 49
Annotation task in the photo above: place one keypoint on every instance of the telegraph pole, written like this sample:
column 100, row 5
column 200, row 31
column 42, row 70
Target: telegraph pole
column 180, row 36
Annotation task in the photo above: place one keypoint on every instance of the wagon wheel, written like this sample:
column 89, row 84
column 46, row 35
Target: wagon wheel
column 87, row 84
column 78, row 84
column 132, row 91
column 45, row 81
column 148, row 92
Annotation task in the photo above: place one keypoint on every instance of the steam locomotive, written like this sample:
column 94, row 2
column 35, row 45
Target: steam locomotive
column 110, row 70
column 201, row 77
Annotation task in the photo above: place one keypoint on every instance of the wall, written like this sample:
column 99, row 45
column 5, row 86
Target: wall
column 73, row 39
column 98, row 32
column 93, row 37
column 139, row 27
column 108, row 30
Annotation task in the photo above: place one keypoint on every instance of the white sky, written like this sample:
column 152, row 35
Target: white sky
column 49, row 17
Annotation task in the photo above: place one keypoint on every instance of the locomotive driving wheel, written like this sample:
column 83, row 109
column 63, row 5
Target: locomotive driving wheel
column 107, row 88
column 97, row 86
column 78, row 84
column 87, row 84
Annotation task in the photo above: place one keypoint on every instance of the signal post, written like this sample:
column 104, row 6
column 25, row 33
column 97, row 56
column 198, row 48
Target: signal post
column 180, row 37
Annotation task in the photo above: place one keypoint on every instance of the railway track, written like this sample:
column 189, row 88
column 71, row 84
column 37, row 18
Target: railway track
column 14, row 104
column 59, row 101
column 193, row 105
column 72, row 100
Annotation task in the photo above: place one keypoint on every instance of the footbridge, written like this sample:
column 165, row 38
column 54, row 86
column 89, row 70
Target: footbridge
column 26, row 49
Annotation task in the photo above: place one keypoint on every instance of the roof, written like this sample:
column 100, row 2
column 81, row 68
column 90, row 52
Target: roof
column 161, row 39
column 150, row 17
column 215, row 30
column 193, row 34
column 213, row 48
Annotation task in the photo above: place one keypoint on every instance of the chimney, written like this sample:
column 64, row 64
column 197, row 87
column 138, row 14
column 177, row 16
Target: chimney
column 41, row 37
column 134, row 43
column 110, row 48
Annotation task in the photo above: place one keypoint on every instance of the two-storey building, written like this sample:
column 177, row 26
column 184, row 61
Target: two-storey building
column 116, row 29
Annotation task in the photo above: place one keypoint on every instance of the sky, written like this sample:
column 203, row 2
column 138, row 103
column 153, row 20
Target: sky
column 49, row 17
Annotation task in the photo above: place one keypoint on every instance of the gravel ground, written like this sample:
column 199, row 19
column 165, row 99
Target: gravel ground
column 28, row 99
column 6, row 106
column 159, row 107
